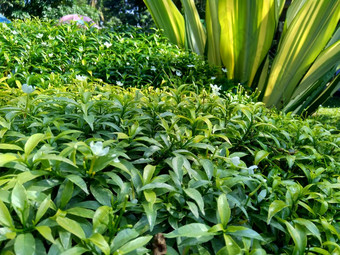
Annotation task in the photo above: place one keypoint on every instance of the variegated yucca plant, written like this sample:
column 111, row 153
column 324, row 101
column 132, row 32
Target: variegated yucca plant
column 238, row 34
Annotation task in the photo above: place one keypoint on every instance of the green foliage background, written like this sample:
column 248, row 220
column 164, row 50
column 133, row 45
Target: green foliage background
column 89, row 167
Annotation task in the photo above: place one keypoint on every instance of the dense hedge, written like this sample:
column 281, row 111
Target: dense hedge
column 218, row 173
column 89, row 167
column 47, row 54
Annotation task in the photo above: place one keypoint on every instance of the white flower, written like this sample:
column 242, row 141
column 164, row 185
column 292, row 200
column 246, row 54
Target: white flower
column 251, row 169
column 28, row 89
column 14, row 32
column 16, row 41
column 153, row 68
column 235, row 161
column 119, row 83
column 51, row 37
column 43, row 43
column 213, row 78
column 147, row 57
column 81, row 49
column 224, row 70
column 178, row 73
column 39, row 35
column 97, row 148
column 190, row 66
column 81, row 77
column 115, row 158
column 50, row 55
column 107, row 44
column 215, row 89
column 9, row 76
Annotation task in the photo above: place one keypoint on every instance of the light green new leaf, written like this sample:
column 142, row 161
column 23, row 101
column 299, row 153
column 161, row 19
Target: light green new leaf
column 6, row 158
column 71, row 226
column 5, row 216
column 42, row 209
column 32, row 142
column 46, row 232
column 148, row 173
column 101, row 219
column 260, row 155
column 24, row 244
column 223, row 209
column 20, row 202
column 274, row 208
column 168, row 17
column 100, row 241
column 230, row 248
column 7, row 146
column 308, row 34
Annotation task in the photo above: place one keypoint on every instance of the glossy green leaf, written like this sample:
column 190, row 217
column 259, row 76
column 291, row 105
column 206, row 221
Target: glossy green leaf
column 7, row 146
column 46, row 232
column 299, row 237
column 208, row 168
column 230, row 247
column 32, row 142
column 77, row 180
column 310, row 226
column 274, row 208
column 243, row 232
column 42, row 209
column 260, row 155
column 5, row 216
column 24, row 244
column 74, row 251
column 101, row 219
column 190, row 230
column 123, row 237
column 197, row 197
column 151, row 214
column 177, row 166
column 135, row 244
column 71, row 226
column 6, row 158
column 20, row 202
column 100, row 242
column 66, row 194
column 223, row 209
column 148, row 173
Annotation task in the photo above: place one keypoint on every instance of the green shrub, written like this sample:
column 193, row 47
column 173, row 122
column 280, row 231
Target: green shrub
column 217, row 175
column 46, row 54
